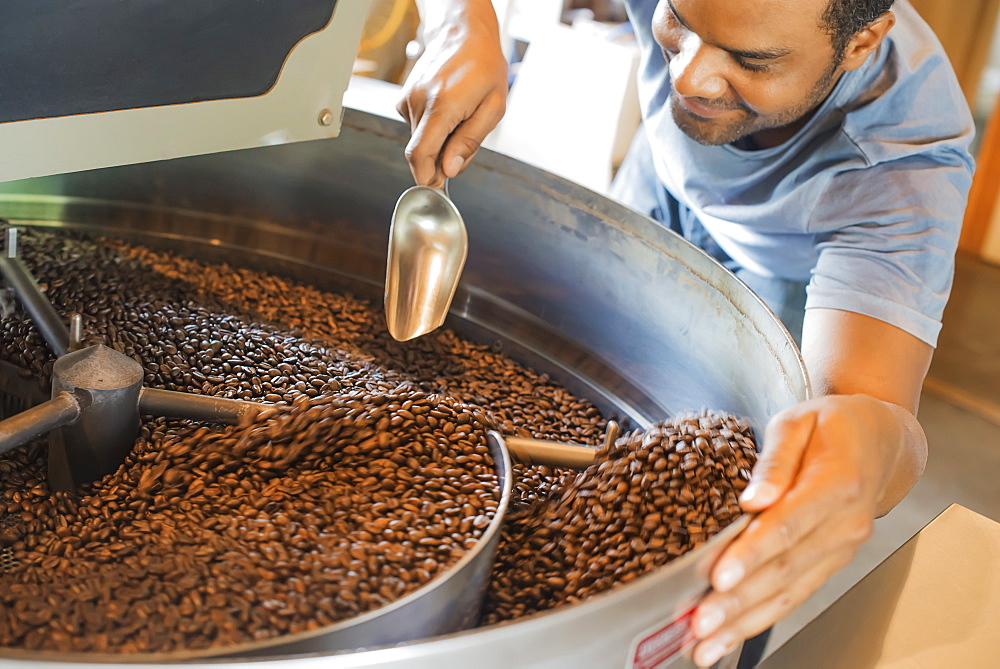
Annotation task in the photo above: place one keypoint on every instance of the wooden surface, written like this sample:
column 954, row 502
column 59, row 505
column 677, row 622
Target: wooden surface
column 965, row 28
column 985, row 192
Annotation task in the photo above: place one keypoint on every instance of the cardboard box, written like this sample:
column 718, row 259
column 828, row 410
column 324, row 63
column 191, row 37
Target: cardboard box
column 933, row 603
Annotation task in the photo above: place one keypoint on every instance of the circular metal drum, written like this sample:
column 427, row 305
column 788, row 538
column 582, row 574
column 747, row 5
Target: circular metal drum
column 606, row 301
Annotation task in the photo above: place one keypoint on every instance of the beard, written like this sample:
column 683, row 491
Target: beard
column 716, row 132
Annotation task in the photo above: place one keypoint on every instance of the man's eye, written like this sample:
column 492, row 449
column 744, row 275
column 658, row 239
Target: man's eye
column 752, row 67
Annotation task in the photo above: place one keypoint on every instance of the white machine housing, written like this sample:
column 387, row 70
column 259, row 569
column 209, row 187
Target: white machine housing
column 303, row 102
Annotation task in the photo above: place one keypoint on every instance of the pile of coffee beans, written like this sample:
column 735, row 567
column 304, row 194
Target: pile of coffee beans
column 308, row 515
column 653, row 496
column 209, row 536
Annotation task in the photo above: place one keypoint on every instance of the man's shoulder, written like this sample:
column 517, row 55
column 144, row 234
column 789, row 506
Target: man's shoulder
column 906, row 101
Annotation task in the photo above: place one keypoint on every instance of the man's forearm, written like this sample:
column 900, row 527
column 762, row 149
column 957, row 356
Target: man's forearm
column 444, row 15
column 849, row 354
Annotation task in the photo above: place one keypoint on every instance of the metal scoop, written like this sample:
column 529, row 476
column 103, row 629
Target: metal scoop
column 428, row 246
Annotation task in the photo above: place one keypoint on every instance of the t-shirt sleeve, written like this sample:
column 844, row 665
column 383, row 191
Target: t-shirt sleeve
column 888, row 235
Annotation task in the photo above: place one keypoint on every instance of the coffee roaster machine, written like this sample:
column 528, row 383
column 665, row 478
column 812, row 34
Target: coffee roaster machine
column 218, row 130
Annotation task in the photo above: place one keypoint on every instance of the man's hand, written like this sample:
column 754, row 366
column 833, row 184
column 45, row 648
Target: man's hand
column 457, row 91
column 829, row 466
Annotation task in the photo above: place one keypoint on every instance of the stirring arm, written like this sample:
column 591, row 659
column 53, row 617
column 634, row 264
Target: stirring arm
column 36, row 421
column 42, row 313
column 173, row 404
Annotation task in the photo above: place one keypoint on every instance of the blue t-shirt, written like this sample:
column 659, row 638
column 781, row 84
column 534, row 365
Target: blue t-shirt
column 865, row 202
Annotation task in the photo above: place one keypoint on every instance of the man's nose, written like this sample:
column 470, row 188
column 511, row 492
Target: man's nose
column 695, row 70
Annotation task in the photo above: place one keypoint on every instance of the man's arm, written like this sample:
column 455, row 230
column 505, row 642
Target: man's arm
column 457, row 91
column 829, row 466
column 847, row 354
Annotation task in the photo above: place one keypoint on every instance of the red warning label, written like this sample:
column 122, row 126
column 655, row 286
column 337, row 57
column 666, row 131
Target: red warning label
column 658, row 646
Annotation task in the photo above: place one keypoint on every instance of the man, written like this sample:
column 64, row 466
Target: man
column 819, row 149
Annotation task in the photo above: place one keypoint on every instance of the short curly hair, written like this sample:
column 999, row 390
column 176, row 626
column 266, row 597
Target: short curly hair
column 843, row 19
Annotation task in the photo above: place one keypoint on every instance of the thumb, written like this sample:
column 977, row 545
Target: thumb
column 459, row 150
column 465, row 140
column 785, row 440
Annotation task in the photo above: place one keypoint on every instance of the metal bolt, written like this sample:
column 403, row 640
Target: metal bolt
column 326, row 117
column 10, row 243
column 611, row 435
column 75, row 331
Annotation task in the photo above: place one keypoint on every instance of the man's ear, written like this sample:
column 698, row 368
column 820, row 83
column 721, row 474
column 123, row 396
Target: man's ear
column 866, row 41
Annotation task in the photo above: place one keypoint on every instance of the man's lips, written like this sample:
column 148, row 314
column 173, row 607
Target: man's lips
column 698, row 109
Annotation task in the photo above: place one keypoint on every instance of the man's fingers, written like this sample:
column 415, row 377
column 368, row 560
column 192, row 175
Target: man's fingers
column 784, row 526
column 423, row 151
column 778, row 576
column 441, row 147
column 422, row 164
column 403, row 109
column 466, row 139
column 785, row 441
column 411, row 106
column 770, row 598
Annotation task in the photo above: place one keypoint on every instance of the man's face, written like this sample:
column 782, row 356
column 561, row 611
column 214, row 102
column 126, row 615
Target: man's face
column 742, row 66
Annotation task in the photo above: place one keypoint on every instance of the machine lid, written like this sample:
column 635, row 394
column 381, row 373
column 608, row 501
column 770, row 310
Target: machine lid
column 105, row 83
